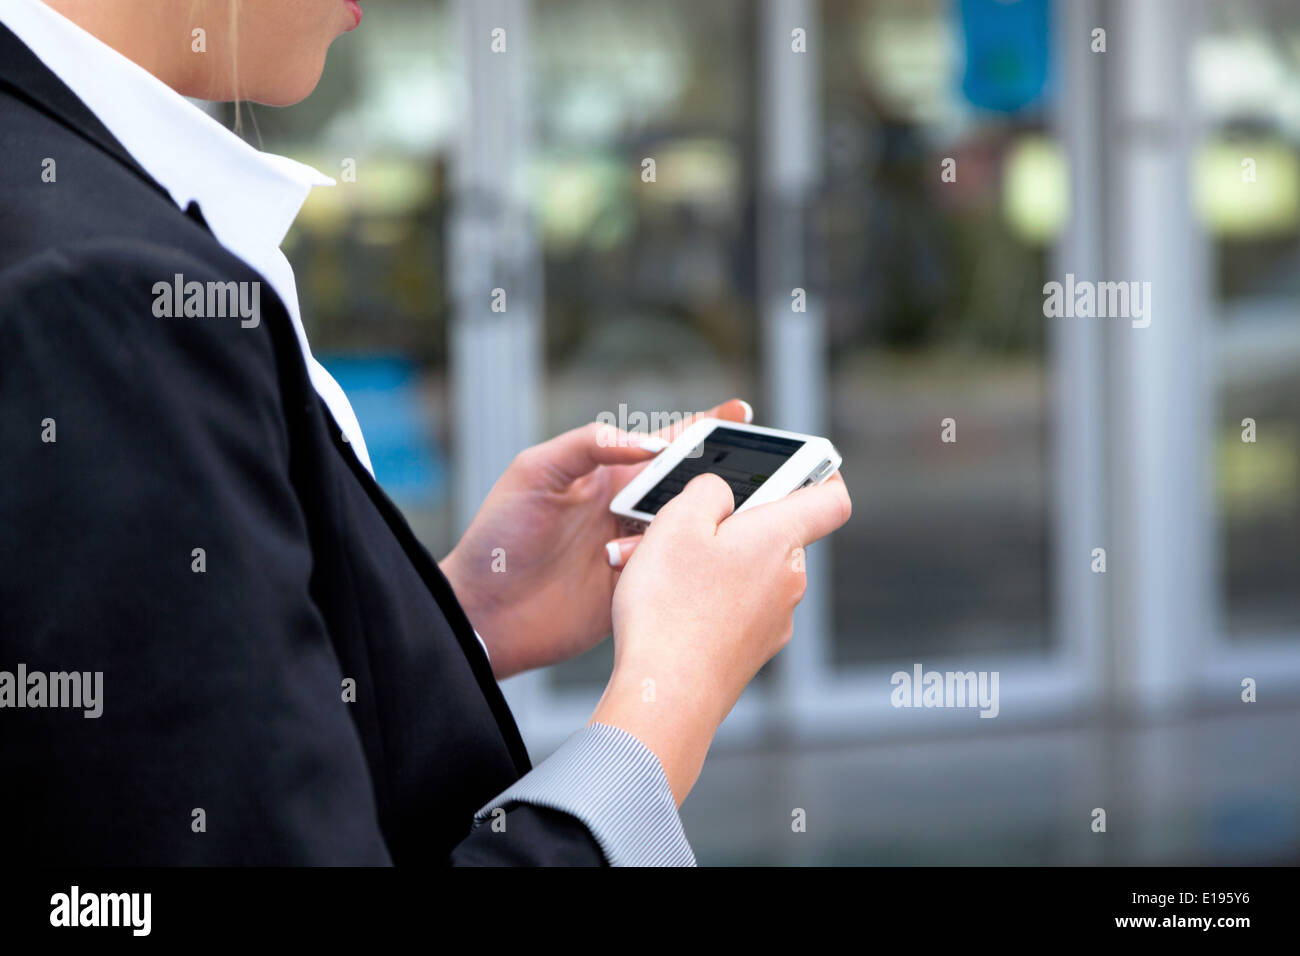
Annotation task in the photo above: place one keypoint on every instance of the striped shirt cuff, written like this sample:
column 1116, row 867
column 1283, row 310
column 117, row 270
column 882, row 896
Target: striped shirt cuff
column 615, row 785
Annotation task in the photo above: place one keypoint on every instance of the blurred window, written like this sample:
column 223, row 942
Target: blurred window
column 649, row 271
column 934, row 307
column 1247, row 85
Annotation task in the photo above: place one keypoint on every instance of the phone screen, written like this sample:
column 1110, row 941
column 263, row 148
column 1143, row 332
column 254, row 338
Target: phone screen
column 743, row 459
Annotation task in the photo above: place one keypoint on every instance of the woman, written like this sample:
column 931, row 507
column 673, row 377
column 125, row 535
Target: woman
column 191, row 530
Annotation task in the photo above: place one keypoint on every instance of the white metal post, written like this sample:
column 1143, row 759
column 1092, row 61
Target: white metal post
column 1080, row 597
column 494, row 260
column 1158, row 419
column 1159, row 415
column 793, row 342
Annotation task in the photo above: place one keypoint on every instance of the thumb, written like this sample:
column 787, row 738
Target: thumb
column 567, row 457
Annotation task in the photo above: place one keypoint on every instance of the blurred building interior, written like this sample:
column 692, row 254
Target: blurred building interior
column 802, row 145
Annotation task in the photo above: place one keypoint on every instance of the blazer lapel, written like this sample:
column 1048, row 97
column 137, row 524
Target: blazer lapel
column 27, row 78
column 446, row 599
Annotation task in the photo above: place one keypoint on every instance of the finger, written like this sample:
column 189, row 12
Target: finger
column 569, row 456
column 732, row 410
column 620, row 549
column 810, row 513
column 706, row 498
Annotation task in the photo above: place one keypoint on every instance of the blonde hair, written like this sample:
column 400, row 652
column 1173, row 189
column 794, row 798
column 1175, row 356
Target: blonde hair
column 233, row 32
column 234, row 61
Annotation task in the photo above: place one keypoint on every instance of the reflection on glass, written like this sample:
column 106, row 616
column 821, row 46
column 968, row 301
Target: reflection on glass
column 1248, row 194
column 935, row 312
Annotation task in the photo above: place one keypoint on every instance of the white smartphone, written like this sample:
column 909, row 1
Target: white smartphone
column 760, row 464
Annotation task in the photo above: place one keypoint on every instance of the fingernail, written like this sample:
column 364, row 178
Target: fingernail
column 653, row 443
column 749, row 411
column 615, row 554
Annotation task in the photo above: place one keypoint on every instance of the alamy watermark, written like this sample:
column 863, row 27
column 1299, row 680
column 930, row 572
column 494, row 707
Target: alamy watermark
column 923, row 688
column 208, row 300
column 1084, row 299
column 634, row 426
column 79, row 690
column 638, row 421
column 75, row 908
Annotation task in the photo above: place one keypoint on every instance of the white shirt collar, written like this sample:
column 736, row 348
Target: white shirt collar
column 249, row 198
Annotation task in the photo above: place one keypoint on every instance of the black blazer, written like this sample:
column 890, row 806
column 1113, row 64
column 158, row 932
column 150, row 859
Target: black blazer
column 222, row 688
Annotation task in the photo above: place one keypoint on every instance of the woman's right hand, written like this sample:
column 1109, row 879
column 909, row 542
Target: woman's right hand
column 701, row 605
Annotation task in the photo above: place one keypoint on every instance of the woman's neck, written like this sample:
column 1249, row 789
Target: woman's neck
column 154, row 34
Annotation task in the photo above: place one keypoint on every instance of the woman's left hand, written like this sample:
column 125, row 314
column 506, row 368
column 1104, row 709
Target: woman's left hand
column 532, row 570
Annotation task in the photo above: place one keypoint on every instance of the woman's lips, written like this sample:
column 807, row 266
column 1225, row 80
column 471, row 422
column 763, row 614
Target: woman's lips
column 354, row 8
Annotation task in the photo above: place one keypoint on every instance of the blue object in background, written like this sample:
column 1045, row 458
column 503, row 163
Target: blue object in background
column 1252, row 826
column 1008, row 46
column 384, row 392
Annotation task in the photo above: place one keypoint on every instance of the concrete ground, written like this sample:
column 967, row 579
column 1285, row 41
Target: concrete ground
column 1211, row 789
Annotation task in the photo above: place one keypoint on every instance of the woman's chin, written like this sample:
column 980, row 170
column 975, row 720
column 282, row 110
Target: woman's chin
column 286, row 88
